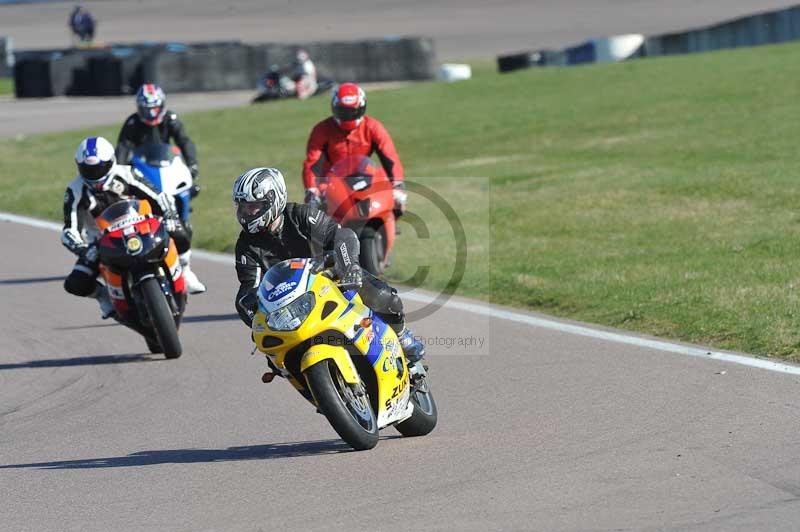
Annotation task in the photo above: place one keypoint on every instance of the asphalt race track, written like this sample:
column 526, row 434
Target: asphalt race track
column 539, row 430
column 31, row 116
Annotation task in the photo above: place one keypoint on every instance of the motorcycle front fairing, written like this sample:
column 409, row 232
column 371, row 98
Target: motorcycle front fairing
column 336, row 326
column 134, row 246
column 357, row 191
column 163, row 167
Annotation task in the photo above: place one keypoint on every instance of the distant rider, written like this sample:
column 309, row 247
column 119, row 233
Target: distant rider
column 304, row 75
column 154, row 123
column 299, row 79
column 274, row 230
column 100, row 183
column 82, row 24
column 347, row 133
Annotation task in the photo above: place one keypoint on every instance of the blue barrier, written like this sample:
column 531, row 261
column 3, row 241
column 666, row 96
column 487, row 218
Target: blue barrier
column 770, row 27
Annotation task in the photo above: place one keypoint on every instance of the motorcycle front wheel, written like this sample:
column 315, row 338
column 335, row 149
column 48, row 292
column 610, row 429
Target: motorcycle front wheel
column 161, row 318
column 350, row 415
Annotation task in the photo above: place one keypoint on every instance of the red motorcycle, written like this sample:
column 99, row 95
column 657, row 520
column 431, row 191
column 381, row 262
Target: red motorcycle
column 140, row 265
column 358, row 195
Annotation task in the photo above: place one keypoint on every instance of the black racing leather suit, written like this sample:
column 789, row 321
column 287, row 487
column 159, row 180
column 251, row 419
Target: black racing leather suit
column 307, row 232
column 82, row 204
column 135, row 133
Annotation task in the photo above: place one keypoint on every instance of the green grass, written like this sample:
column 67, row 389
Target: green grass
column 658, row 196
column 6, row 86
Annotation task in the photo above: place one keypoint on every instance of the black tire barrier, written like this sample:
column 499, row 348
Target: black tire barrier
column 52, row 73
column 214, row 66
column 122, row 71
column 510, row 63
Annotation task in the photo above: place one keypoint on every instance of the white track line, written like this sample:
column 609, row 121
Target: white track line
column 518, row 317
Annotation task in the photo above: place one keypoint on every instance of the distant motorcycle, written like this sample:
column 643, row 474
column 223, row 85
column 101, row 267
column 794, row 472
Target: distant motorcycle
column 162, row 165
column 139, row 262
column 358, row 194
column 339, row 355
column 276, row 85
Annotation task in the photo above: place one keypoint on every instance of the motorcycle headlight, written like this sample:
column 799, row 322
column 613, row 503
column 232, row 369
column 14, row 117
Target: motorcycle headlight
column 291, row 316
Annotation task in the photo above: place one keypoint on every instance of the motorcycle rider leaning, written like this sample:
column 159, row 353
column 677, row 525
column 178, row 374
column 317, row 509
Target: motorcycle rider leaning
column 100, row 183
column 348, row 132
column 154, row 123
column 274, row 230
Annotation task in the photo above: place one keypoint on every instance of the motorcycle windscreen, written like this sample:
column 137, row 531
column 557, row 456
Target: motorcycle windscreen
column 123, row 213
column 357, row 171
column 159, row 155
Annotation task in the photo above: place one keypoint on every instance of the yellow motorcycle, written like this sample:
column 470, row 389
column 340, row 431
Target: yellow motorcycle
column 339, row 355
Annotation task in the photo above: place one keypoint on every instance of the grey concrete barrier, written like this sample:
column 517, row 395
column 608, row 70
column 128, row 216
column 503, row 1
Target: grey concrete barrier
column 214, row 66
column 389, row 59
column 202, row 68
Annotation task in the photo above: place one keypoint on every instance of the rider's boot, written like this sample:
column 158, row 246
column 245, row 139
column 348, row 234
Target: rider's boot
column 193, row 284
column 107, row 309
column 413, row 349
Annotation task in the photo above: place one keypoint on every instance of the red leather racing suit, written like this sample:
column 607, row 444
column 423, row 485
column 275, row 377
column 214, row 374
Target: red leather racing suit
column 329, row 144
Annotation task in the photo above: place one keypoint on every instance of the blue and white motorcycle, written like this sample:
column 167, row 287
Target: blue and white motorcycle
column 162, row 165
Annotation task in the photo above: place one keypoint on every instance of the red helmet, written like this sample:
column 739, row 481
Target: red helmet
column 348, row 105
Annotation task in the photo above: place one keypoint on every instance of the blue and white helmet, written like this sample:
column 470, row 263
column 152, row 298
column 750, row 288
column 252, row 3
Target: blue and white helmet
column 95, row 159
column 260, row 198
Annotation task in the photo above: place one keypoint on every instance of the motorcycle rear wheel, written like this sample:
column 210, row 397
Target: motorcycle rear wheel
column 425, row 415
column 351, row 417
column 161, row 317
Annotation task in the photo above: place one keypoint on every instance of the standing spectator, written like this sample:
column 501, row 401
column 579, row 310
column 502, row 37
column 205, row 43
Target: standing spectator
column 82, row 24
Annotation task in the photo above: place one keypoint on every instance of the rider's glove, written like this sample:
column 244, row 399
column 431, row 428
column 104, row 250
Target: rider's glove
column 89, row 253
column 312, row 197
column 167, row 205
column 400, row 198
column 352, row 278
column 195, row 171
column 171, row 224
column 312, row 194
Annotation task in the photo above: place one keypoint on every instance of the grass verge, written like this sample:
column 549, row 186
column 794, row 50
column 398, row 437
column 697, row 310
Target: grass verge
column 657, row 195
column 6, row 86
